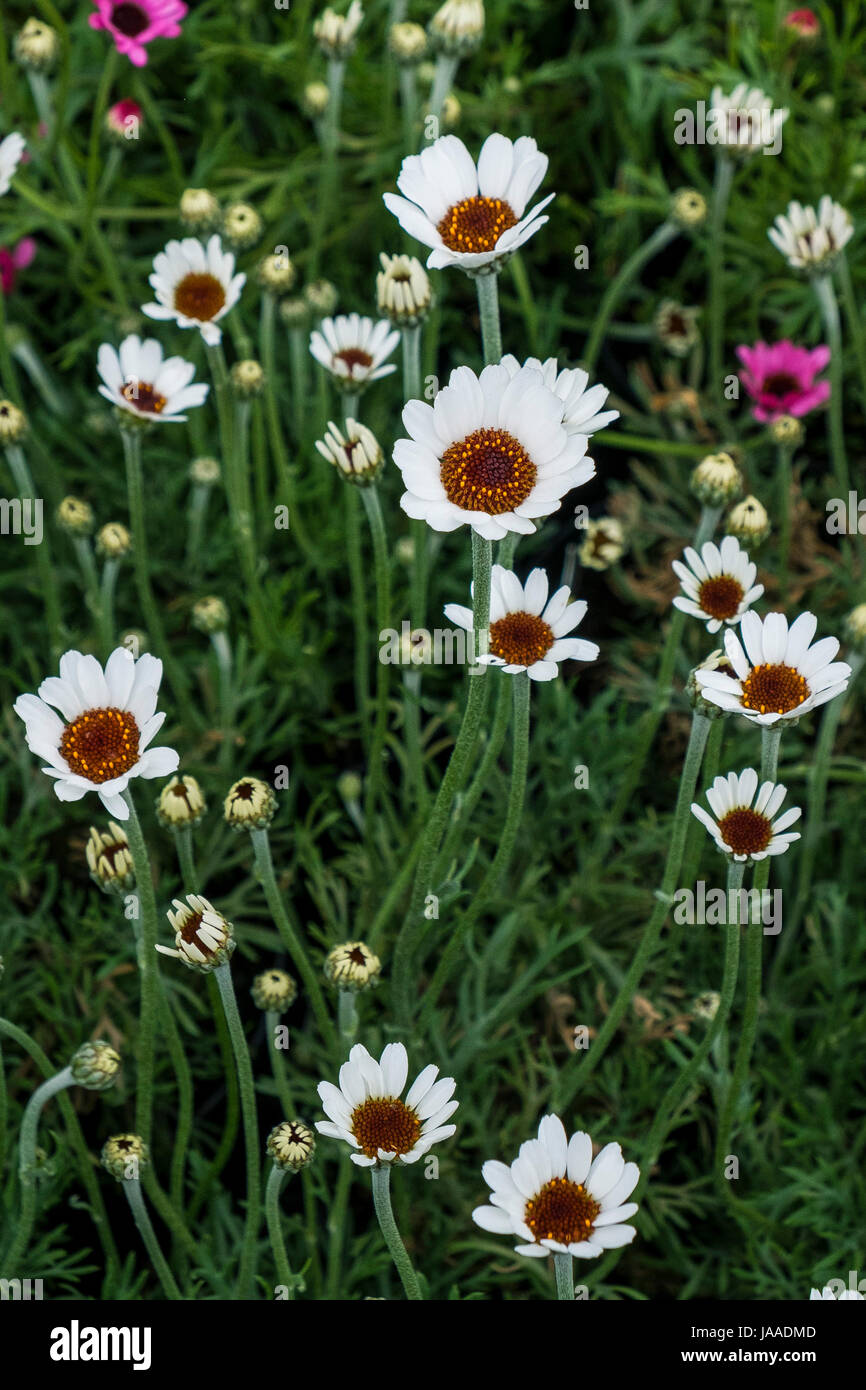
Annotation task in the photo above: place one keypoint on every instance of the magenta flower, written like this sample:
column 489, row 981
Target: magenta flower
column 12, row 261
column 133, row 23
column 780, row 378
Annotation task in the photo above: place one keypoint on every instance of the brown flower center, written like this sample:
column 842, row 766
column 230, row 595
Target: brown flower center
column 129, row 19
column 476, row 224
column 780, row 384
column 487, row 472
column 199, row 296
column 385, row 1123
column 101, row 744
column 142, row 395
column 563, row 1211
column 745, row 831
column 354, row 357
column 189, row 933
column 520, row 639
column 721, row 596
column 774, row 689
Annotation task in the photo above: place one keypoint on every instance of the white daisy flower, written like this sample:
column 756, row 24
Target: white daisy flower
column 108, row 719
column 718, row 584
column 366, row 1111
column 742, row 823
column 810, row 239
column 581, row 413
column 779, row 675
column 826, row 1295
column 138, row 380
column 471, row 215
column 203, row 939
column 195, row 285
column 491, row 452
column 746, row 119
column 527, row 630
column 355, row 350
column 555, row 1197
column 11, row 150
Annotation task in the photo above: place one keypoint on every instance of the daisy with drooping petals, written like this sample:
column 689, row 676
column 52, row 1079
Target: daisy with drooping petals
column 138, row 380
column 366, row 1111
column 742, row 823
column 471, row 215
column 354, row 349
column 581, row 409
column 134, row 23
column 491, row 453
column 811, row 239
column 527, row 630
column 11, row 150
column 778, row 673
column 718, row 584
column 195, row 285
column 108, row 719
column 780, row 377
column 558, row 1199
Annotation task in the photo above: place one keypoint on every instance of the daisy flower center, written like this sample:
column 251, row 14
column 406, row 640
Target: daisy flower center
column 101, row 744
column 562, row 1211
column 199, row 296
column 780, row 384
column 720, row 596
column 142, row 395
column 352, row 358
column 520, row 639
column 129, row 19
column 489, row 471
column 476, row 224
column 774, row 689
column 745, row 831
column 382, row 1122
column 189, row 932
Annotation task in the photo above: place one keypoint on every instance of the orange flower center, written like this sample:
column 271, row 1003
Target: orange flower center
column 385, row 1123
column 142, row 395
column 745, row 831
column 520, row 639
column 101, row 744
column 476, row 224
column 354, row 357
column 721, row 596
column 199, row 296
column 774, row 689
column 563, row 1211
column 487, row 472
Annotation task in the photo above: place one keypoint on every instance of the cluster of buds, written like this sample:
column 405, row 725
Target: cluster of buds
column 403, row 290
column 291, row 1145
column 125, row 1156
column 352, row 966
column 274, row 991
column 199, row 210
column 113, row 541
column 203, row 939
column 276, row 273
column 688, row 209
column 180, row 803
column 336, row 33
column 357, row 456
column 716, row 480
column 250, row 804
column 457, row 27
column 109, row 859
column 603, row 544
column 95, row 1066
column 75, row 516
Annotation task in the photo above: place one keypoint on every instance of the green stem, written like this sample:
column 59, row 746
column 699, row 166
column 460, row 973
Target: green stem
column 27, row 1166
column 278, row 1068
column 443, row 81
column 186, row 859
column 854, row 320
column 718, row 211
column 382, row 1202
column 381, row 565
column 830, row 310
column 44, row 565
column 132, row 1191
column 487, row 287
column 562, row 1265
column 246, row 1082
column 275, row 1230
column 147, row 972
column 784, row 484
column 347, row 1014
column 359, row 602
column 627, row 272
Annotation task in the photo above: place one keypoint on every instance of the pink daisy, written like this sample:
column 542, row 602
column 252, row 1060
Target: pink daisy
column 133, row 23
column 780, row 378
column 12, row 261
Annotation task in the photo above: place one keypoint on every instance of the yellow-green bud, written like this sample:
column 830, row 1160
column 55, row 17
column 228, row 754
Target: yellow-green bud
column 457, row 27
column 716, row 480
column 403, row 289
column 322, row 297
column 95, row 1066
column 291, row 1145
column 248, row 378
column 113, row 540
column 199, row 210
column 242, row 226
column 180, row 803
column 352, row 966
column 210, row 614
column 316, row 98
column 689, row 208
column 109, row 859
column 275, row 273
column 75, row 516
column 125, row 1156
column 205, row 471
column 787, row 430
column 855, row 626
column 250, row 804
column 749, row 522
column 274, row 991
column 36, row 46
column 407, row 42
column 295, row 312
column 13, row 423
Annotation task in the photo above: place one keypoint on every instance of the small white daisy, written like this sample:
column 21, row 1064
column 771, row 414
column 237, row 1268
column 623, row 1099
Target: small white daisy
column 581, row 409
column 11, row 150
column 138, row 380
column 109, row 718
column 355, row 350
column 810, row 239
column 827, row 1295
column 742, row 823
column 718, row 584
column 746, row 119
column 491, row 452
column 195, row 284
column 527, row 630
column 555, row 1197
column 366, row 1111
column 471, row 215
column 779, row 675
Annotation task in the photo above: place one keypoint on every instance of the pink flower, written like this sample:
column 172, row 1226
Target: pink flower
column 780, row 377
column 12, row 261
column 133, row 23
column 804, row 23
column 124, row 118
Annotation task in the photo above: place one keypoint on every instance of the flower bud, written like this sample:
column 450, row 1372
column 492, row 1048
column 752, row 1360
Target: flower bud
column 13, row 423
column 316, row 98
column 688, row 208
column 336, row 33
column 36, row 46
column 749, row 522
column 248, row 379
column 205, row 471
column 291, row 1145
column 855, row 626
column 457, row 27
column 350, row 786
column 716, row 480
column 199, row 210
column 125, row 1156
column 407, row 42
column 113, row 540
column 676, row 327
column 75, row 516
column 274, row 991
column 352, row 966
column 322, row 298
column 95, row 1066
column 123, row 121
column 787, row 430
column 706, row 1005
column 358, row 456
column 716, row 661
column 250, row 804
column 210, row 615
column 180, row 803
column 603, row 544
column 109, row 859
column 403, row 290
column 203, row 939
column 242, row 226
column 451, row 111
column 275, row 273
column 295, row 313
column 416, row 647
